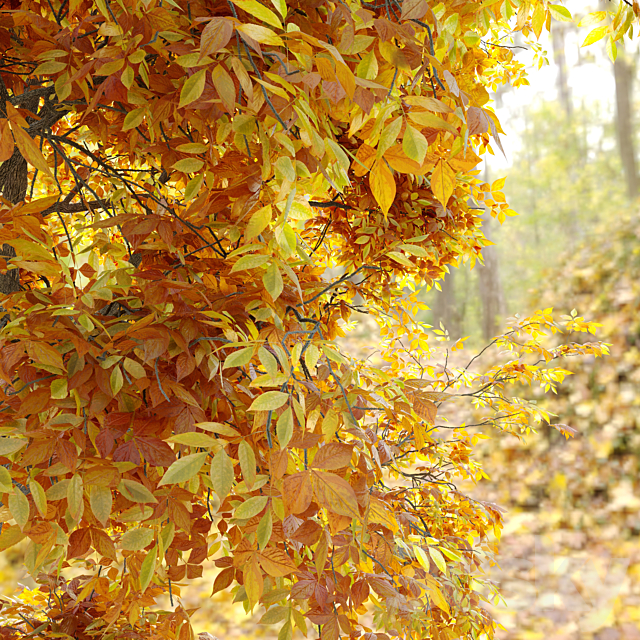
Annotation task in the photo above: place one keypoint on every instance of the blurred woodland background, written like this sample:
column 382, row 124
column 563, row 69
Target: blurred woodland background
column 571, row 544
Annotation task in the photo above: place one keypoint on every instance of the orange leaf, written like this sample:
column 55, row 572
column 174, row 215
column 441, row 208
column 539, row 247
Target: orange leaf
column 45, row 354
column 6, row 141
column 29, row 150
column 366, row 156
column 399, row 161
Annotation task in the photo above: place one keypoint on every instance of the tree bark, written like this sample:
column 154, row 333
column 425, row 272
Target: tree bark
column 562, row 83
column 623, row 71
column 13, row 186
column 490, row 286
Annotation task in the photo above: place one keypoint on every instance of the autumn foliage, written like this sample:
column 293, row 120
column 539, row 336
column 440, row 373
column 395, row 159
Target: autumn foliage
column 182, row 181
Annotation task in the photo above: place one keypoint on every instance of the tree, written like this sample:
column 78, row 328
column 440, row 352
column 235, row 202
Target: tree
column 624, row 71
column 177, row 179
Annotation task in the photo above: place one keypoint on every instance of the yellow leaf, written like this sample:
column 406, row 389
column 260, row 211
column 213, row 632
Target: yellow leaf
column 414, row 144
column 346, row 79
column 429, row 120
column 258, row 222
column 224, row 86
column 254, row 8
column 253, row 581
column 261, row 34
column 383, row 185
column 443, row 182
column 597, row 34
column 592, row 18
column 432, row 104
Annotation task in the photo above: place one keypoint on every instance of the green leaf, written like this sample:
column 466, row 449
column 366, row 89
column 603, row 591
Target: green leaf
column 183, row 469
column 75, row 496
column 414, row 250
column 239, row 358
column 221, row 474
column 250, row 262
column 11, row 445
column 257, row 224
column 247, row 462
column 147, row 569
column 101, row 501
column 6, row 483
column 9, row 537
column 244, row 124
column 272, row 280
column 193, row 147
column 192, row 88
column 265, row 528
column 389, row 136
column 189, row 165
column 136, row 539
column 59, row 389
column 284, row 428
column 414, row 144
column 368, row 66
column 193, row 187
column 251, row 507
column 268, row 361
column 269, row 401
column 133, row 119
column 116, row 380
column 19, row 507
column 134, row 368
column 39, row 497
column 135, row 491
column 560, row 13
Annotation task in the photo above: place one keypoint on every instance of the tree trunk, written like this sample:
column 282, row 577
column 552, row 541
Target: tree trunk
column 562, row 84
column 13, row 186
column 490, row 286
column 623, row 71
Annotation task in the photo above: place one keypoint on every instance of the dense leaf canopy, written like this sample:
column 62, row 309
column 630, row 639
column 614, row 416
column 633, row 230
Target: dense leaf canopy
column 196, row 197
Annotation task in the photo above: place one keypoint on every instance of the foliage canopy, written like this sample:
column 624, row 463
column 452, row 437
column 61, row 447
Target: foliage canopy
column 179, row 178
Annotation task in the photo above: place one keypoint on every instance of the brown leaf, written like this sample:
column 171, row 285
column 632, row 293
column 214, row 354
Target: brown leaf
column 334, row 455
column 276, row 562
column 476, row 120
column 297, row 492
column 335, row 494
column 215, row 36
